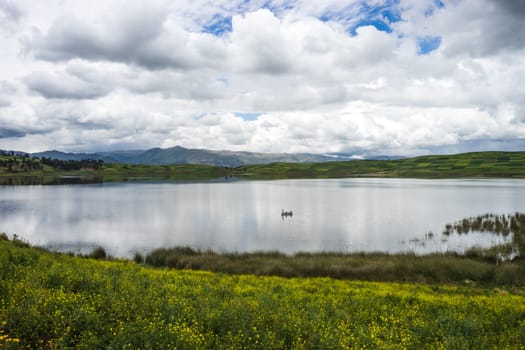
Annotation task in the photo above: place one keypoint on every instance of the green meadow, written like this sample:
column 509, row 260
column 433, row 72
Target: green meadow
column 59, row 301
column 482, row 164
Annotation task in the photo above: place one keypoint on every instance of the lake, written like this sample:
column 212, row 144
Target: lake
column 350, row 215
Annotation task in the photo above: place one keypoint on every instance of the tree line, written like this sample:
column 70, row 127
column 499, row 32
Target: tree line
column 95, row 164
column 14, row 162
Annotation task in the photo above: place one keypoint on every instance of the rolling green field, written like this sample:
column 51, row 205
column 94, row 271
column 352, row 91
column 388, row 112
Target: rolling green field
column 58, row 301
column 482, row 164
column 108, row 173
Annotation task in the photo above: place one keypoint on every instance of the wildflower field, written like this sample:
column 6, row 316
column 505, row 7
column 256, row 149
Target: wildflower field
column 56, row 301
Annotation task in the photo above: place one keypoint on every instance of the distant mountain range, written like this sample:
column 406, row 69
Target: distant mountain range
column 181, row 155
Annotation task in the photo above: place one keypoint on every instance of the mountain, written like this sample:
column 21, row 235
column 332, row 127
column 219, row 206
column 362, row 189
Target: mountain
column 73, row 156
column 181, row 155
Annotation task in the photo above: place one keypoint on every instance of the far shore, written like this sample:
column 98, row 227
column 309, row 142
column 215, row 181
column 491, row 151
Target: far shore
column 15, row 170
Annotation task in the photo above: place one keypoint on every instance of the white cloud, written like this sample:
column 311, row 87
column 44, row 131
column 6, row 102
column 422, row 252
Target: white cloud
column 92, row 76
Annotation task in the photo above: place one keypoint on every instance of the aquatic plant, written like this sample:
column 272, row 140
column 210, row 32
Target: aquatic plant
column 500, row 224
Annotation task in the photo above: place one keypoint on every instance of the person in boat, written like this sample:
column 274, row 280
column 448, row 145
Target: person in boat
column 286, row 213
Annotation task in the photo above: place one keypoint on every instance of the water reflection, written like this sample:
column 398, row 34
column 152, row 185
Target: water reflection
column 49, row 180
column 334, row 215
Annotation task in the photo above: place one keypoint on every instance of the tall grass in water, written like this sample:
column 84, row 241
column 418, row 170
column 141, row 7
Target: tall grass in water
column 433, row 268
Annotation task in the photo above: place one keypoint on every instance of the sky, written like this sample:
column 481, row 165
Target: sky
column 366, row 77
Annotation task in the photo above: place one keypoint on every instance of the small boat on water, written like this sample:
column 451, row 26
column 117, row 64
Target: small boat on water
column 286, row 213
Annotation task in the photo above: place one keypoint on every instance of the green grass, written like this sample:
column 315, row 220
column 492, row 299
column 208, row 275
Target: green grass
column 475, row 267
column 57, row 301
column 481, row 164
column 113, row 173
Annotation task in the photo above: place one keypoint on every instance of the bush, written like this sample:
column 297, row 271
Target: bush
column 138, row 258
column 20, row 242
column 98, row 253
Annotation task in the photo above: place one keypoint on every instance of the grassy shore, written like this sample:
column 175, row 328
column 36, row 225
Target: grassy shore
column 482, row 164
column 475, row 267
column 57, row 301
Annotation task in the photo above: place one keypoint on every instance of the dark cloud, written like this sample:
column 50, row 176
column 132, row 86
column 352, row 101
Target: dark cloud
column 504, row 28
column 513, row 7
column 89, row 124
column 508, row 28
column 70, row 38
column 11, row 133
column 137, row 37
column 64, row 86
column 67, row 39
column 485, row 27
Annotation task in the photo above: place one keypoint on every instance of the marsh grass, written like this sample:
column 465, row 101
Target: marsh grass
column 433, row 268
column 501, row 264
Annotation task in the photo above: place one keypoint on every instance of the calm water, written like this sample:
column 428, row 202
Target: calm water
column 329, row 215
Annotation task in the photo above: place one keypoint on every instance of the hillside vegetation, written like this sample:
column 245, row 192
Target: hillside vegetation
column 486, row 164
column 17, row 170
column 57, row 301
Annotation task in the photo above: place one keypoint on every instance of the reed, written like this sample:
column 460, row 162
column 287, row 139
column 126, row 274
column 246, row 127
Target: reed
column 474, row 266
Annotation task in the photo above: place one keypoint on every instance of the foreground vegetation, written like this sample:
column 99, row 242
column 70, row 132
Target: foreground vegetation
column 16, row 170
column 57, row 301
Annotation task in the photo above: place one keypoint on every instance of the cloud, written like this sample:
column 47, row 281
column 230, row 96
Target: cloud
column 9, row 11
column 7, row 92
column 488, row 27
column 60, row 85
column 11, row 133
column 514, row 8
column 383, row 76
column 141, row 35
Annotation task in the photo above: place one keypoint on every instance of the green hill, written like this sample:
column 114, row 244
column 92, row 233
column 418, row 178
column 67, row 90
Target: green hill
column 483, row 164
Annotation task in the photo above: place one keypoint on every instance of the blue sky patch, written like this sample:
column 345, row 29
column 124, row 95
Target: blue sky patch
column 248, row 116
column 380, row 25
column 427, row 44
column 379, row 16
column 218, row 25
